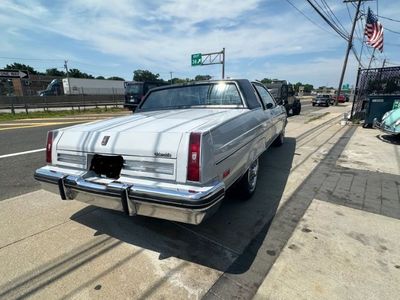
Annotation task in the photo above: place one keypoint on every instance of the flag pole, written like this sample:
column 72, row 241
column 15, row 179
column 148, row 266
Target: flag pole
column 349, row 45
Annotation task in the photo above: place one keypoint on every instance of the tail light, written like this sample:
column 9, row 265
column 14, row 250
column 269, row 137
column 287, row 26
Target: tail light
column 193, row 171
column 49, row 146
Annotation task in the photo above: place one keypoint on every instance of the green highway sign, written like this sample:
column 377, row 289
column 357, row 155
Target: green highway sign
column 196, row 59
column 346, row 86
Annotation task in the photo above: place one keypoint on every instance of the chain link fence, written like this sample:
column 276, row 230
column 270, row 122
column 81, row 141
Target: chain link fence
column 376, row 81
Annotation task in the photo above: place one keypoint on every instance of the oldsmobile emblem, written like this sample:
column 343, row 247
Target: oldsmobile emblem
column 105, row 140
column 159, row 154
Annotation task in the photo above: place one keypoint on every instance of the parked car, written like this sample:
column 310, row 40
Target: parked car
column 136, row 90
column 390, row 122
column 341, row 98
column 323, row 99
column 175, row 158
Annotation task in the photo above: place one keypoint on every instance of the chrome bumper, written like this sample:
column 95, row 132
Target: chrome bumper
column 382, row 127
column 171, row 204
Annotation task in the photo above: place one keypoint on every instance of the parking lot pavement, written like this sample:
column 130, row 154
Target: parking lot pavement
column 351, row 250
column 70, row 250
column 54, row 248
column 337, row 252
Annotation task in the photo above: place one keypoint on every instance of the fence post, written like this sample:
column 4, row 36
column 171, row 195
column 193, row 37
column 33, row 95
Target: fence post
column 83, row 99
column 12, row 108
column 45, row 102
column 26, row 108
column 355, row 93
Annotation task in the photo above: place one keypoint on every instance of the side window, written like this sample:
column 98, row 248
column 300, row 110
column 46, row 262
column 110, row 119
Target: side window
column 265, row 95
column 149, row 87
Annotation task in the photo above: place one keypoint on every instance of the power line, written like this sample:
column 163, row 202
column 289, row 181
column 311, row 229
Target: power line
column 391, row 30
column 387, row 18
column 309, row 19
column 333, row 14
column 343, row 35
column 326, row 13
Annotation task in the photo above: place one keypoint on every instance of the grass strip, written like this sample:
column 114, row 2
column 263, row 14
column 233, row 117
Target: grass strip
column 57, row 113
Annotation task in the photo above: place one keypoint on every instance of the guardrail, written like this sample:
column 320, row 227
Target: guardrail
column 46, row 103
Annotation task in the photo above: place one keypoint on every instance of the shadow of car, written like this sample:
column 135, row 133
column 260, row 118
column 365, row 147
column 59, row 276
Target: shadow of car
column 219, row 240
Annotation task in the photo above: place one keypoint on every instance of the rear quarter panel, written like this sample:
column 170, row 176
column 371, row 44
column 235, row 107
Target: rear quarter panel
column 235, row 144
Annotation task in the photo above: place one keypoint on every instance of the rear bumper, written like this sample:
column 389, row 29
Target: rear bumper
column 175, row 204
column 383, row 128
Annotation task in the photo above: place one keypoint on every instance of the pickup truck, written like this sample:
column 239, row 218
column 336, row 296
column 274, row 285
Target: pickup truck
column 175, row 157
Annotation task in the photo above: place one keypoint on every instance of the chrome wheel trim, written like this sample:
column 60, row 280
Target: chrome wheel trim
column 282, row 136
column 252, row 175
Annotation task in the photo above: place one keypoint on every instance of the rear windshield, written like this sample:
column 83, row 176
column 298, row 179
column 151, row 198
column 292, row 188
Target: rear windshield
column 210, row 94
column 134, row 88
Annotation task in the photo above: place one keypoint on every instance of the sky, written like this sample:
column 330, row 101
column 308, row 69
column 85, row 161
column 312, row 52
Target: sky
column 263, row 39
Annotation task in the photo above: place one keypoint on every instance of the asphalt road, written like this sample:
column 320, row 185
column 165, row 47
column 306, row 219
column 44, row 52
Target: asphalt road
column 27, row 135
column 19, row 136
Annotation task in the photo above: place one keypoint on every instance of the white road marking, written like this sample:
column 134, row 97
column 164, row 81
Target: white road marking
column 22, row 153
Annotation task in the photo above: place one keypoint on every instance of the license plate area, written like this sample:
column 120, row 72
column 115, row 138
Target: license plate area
column 107, row 165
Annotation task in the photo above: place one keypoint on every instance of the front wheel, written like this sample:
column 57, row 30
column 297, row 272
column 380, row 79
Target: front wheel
column 296, row 110
column 280, row 139
column 248, row 182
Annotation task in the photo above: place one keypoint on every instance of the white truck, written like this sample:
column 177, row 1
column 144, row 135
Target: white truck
column 79, row 86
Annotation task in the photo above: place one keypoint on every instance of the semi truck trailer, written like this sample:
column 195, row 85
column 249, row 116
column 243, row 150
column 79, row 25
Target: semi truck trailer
column 79, row 86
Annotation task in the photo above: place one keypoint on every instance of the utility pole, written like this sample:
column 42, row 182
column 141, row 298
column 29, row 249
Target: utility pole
column 66, row 70
column 349, row 45
column 170, row 73
column 223, row 63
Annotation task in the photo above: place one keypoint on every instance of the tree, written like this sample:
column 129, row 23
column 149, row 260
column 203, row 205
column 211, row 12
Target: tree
column 55, row 72
column 308, row 88
column 266, row 80
column 297, row 86
column 178, row 80
column 22, row 67
column 145, row 75
column 75, row 73
column 100, row 77
column 115, row 78
column 202, row 77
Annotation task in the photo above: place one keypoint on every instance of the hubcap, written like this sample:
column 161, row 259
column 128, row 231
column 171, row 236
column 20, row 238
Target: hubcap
column 252, row 175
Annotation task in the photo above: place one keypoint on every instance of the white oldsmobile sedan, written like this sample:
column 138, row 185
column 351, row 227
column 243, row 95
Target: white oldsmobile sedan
column 175, row 157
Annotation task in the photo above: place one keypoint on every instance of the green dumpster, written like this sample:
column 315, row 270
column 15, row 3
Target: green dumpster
column 377, row 106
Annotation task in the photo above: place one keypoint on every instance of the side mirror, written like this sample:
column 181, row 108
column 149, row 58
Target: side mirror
column 269, row 105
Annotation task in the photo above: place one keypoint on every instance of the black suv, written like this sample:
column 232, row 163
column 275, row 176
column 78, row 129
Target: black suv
column 136, row 90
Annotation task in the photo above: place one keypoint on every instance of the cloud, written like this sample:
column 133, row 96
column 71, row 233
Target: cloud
column 161, row 36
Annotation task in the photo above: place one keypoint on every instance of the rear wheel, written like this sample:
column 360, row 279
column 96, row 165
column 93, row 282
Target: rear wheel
column 248, row 182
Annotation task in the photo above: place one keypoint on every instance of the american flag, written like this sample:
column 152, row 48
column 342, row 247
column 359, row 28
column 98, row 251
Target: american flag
column 374, row 31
